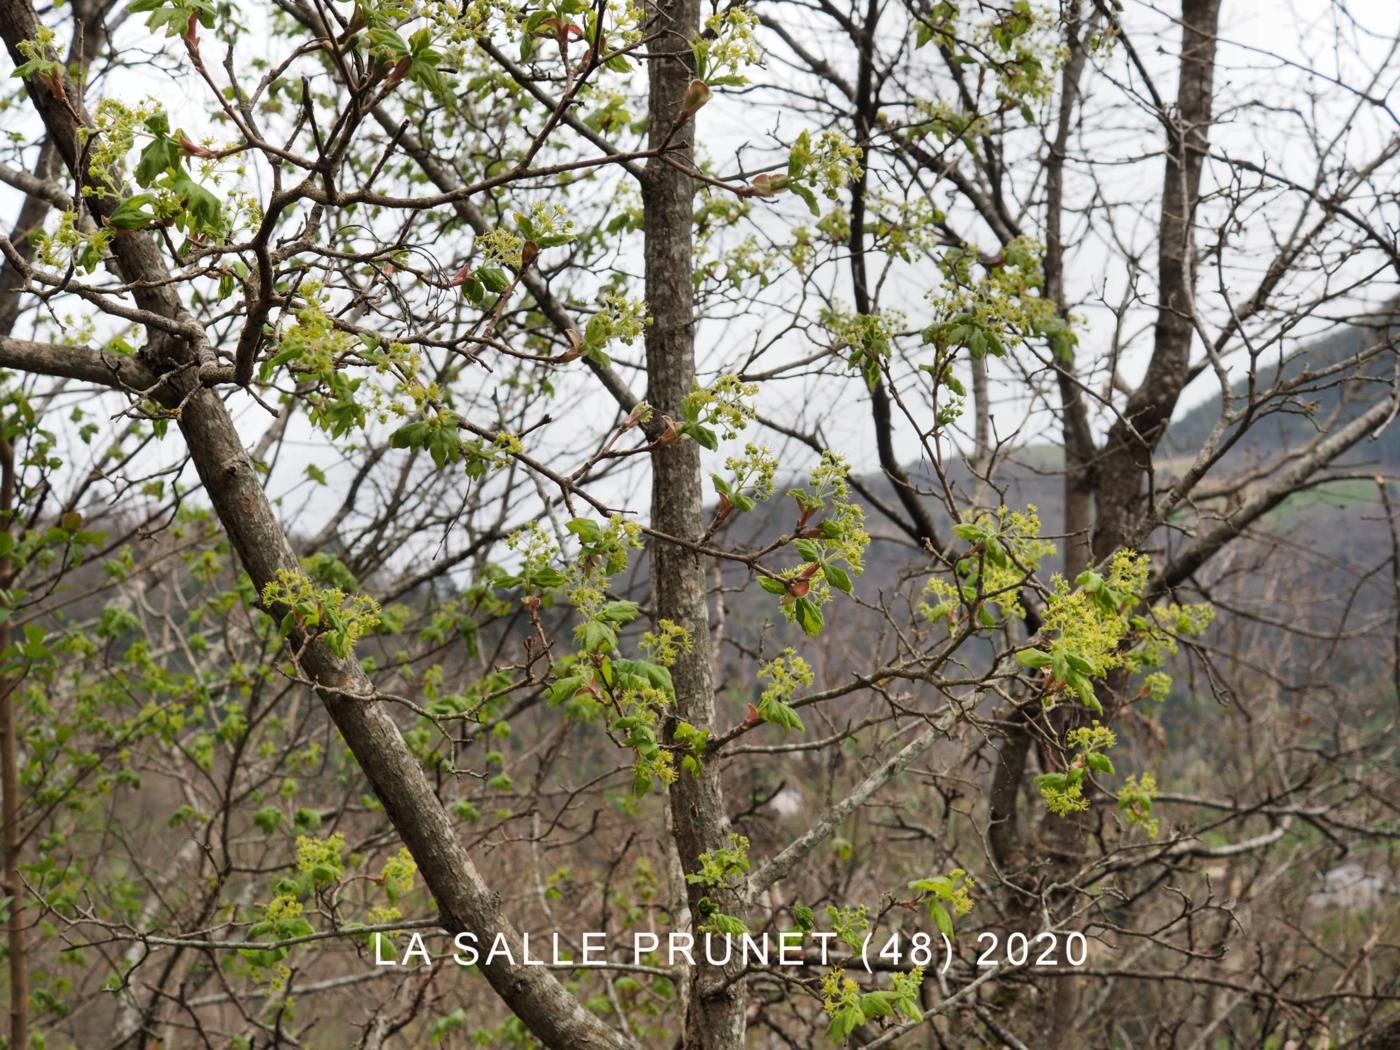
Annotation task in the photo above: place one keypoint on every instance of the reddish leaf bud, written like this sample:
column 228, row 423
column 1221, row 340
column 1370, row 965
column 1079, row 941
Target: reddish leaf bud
column 192, row 37
column 671, row 434
column 695, row 97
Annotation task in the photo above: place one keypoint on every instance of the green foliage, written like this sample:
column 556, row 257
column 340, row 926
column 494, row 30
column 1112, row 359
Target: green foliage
column 945, row 896
column 784, row 675
column 620, row 320
column 726, row 46
column 39, row 62
column 832, row 547
column 327, row 613
column 1006, row 551
column 1135, row 802
column 398, row 875
column 849, row 923
column 462, row 384
column 1092, row 629
column 865, row 339
column 722, row 872
column 718, row 411
column 172, row 196
column 1064, row 792
column 849, row 1007
column 1085, row 627
column 174, row 17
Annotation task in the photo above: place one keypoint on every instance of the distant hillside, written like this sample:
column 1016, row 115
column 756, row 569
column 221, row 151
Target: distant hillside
column 1295, row 422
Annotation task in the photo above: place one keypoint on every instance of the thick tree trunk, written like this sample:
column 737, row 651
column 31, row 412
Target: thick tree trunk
column 31, row 215
column 700, row 823
column 1126, row 462
column 398, row 779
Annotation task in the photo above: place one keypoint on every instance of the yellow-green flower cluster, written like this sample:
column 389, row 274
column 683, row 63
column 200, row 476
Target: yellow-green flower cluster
column 116, row 125
column 1092, row 738
column 546, row 221
column 666, row 643
column 537, row 552
column 785, row 675
column 940, row 602
column 1086, row 623
column 628, row 20
column 313, row 334
column 588, row 599
column 1135, row 802
column 839, row 993
column 906, row 227
column 845, row 536
column 398, row 874
column 1157, row 685
column 1019, row 535
column 328, row 612
column 1023, row 34
column 992, row 304
column 1064, row 792
column 609, row 551
column 1063, row 800
column 754, row 471
column 727, row 45
column 868, row 333
column 68, row 245
column 501, row 246
column 1159, row 629
column 457, row 26
column 321, row 857
column 726, row 404
column 622, row 319
column 281, row 907
column 962, row 897
column 723, row 867
column 831, row 162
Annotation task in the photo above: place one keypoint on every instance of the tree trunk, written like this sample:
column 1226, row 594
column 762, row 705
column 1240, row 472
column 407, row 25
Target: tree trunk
column 9, row 780
column 715, row 1016
column 1126, row 463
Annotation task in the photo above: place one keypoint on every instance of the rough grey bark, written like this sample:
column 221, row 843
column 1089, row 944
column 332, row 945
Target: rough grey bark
column 76, row 362
column 700, row 823
column 232, row 485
